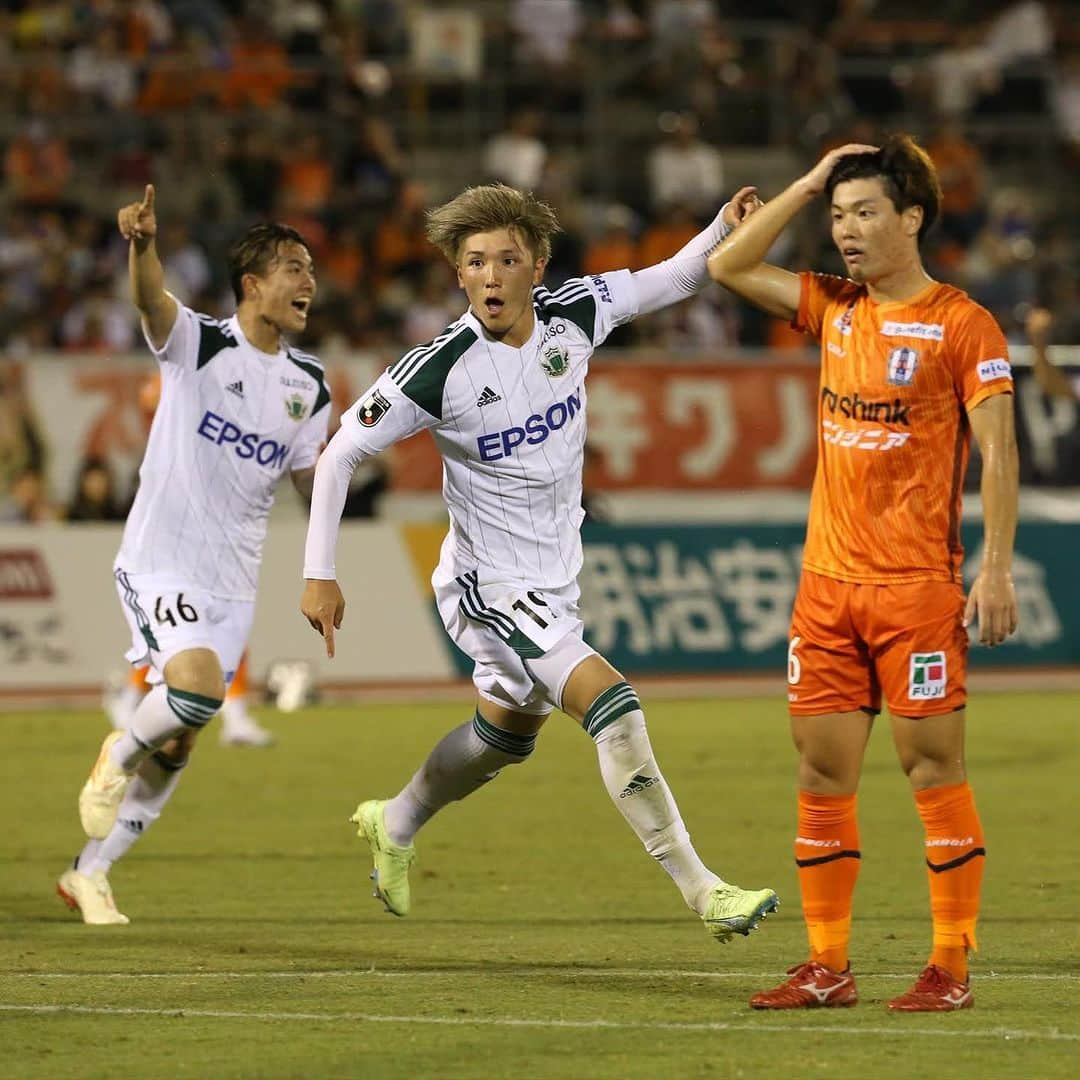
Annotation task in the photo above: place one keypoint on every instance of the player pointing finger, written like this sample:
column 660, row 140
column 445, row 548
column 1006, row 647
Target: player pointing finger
column 137, row 220
column 324, row 607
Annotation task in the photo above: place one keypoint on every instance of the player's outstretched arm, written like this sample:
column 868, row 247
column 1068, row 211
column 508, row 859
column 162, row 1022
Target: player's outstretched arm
column 739, row 263
column 1052, row 380
column 992, row 600
column 679, row 277
column 322, row 603
column 138, row 225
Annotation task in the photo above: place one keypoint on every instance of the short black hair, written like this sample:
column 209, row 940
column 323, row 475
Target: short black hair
column 905, row 171
column 257, row 249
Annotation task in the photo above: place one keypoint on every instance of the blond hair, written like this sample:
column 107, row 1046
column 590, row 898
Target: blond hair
column 489, row 207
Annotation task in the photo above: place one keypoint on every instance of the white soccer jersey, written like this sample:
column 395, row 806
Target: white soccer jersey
column 510, row 425
column 231, row 421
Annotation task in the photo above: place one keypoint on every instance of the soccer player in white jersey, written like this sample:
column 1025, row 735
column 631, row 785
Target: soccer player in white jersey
column 503, row 391
column 239, row 408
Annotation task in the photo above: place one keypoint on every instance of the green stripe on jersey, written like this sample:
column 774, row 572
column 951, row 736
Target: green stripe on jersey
column 426, row 381
column 581, row 310
column 310, row 366
column 213, row 339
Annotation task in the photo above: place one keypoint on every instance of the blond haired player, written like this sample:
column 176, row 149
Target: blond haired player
column 239, row 410
column 503, row 392
column 910, row 368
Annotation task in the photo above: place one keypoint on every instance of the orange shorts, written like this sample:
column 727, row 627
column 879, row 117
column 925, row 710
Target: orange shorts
column 850, row 643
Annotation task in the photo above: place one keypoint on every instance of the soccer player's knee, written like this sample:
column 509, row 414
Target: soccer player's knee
column 196, row 671
column 821, row 772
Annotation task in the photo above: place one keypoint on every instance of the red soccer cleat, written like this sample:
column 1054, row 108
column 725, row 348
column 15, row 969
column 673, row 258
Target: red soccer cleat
column 935, row 990
column 811, row 986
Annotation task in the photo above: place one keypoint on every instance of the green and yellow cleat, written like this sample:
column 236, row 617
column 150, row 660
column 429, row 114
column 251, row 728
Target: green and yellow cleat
column 732, row 910
column 392, row 861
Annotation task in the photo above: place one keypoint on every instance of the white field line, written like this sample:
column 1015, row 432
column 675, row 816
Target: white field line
column 900, row 1030
column 516, row 973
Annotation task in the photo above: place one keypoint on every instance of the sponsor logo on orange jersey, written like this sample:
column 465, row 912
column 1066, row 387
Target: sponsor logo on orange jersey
column 925, row 331
column 998, row 368
column 856, row 407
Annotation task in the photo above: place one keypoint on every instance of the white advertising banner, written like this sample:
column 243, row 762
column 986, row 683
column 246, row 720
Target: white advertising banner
column 61, row 627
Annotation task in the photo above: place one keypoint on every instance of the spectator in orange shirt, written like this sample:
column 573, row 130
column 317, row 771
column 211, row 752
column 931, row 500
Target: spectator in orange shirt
column 37, row 166
column 400, row 242
column 959, row 166
column 674, row 228
column 308, row 173
column 614, row 246
column 259, row 72
column 343, row 263
column 181, row 76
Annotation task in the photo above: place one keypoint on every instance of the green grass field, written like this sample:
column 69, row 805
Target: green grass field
column 543, row 941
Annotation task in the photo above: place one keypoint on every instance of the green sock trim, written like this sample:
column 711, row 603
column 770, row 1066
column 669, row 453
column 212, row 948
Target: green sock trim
column 508, row 742
column 192, row 710
column 614, row 702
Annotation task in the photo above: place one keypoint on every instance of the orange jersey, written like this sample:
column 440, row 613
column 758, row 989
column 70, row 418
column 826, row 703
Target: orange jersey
column 897, row 381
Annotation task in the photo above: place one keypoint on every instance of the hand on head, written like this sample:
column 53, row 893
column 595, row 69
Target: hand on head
column 815, row 180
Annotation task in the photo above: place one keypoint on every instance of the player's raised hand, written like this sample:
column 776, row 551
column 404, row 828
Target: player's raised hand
column 992, row 601
column 137, row 220
column 742, row 204
column 814, row 181
column 324, row 607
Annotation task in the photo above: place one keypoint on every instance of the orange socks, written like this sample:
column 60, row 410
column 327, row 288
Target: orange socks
column 955, row 855
column 827, row 855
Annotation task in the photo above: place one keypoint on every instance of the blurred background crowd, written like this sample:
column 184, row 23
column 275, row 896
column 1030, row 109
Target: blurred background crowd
column 634, row 118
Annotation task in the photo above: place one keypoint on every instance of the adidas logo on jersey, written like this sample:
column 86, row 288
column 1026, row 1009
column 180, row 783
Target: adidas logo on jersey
column 488, row 397
column 236, row 388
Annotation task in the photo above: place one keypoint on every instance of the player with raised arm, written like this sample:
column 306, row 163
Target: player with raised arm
column 503, row 392
column 909, row 369
column 239, row 408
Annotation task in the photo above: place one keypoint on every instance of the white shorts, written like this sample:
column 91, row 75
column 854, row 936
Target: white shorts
column 167, row 617
column 524, row 642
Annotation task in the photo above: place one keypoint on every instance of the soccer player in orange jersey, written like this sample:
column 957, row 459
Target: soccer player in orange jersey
column 910, row 368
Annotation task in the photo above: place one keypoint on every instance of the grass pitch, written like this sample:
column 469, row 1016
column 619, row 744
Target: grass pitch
column 543, row 941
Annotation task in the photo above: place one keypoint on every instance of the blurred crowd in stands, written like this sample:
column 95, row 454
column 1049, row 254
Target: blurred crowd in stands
column 635, row 118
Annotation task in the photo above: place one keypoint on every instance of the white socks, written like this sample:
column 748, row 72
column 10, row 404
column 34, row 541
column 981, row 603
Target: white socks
column 150, row 789
column 641, row 794
column 464, row 760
